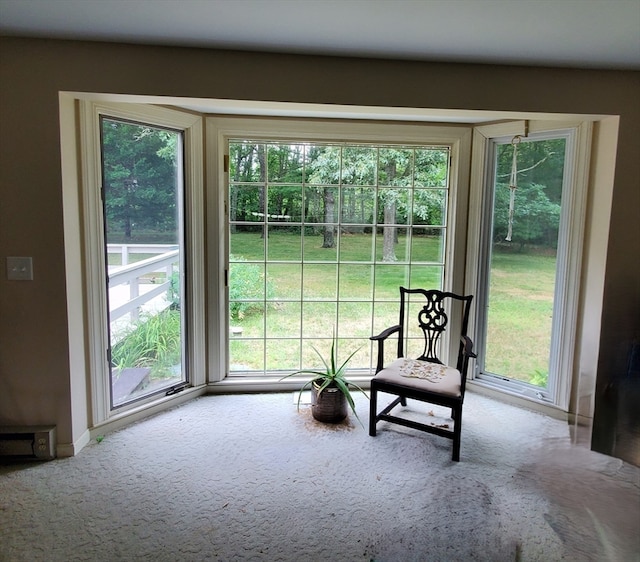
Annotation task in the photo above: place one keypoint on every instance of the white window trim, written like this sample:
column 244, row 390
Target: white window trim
column 93, row 245
column 220, row 129
column 570, row 250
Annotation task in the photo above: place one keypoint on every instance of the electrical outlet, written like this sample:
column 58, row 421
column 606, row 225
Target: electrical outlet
column 19, row 269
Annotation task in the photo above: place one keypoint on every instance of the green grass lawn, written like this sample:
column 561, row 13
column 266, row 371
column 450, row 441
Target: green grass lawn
column 304, row 294
column 309, row 295
column 520, row 312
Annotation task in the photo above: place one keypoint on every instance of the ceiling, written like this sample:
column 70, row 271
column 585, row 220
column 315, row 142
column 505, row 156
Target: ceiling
column 566, row 33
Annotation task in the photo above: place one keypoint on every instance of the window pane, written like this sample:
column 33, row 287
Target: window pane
column 426, row 276
column 385, row 315
column 427, row 245
column 283, row 354
column 320, row 282
column 246, row 162
column 247, row 243
column 143, row 201
column 393, row 206
column 357, row 246
column 359, row 165
column 522, row 274
column 321, row 204
column 284, row 243
column 247, row 281
column 392, row 245
column 356, row 282
column 395, row 166
column 285, row 163
column 246, row 355
column 246, row 202
column 318, row 319
column 283, row 320
column 357, row 205
column 429, row 207
column 284, row 204
column 285, row 281
column 354, row 318
column 361, row 359
column 323, row 164
column 432, row 167
column 246, row 319
column 389, row 278
column 316, row 243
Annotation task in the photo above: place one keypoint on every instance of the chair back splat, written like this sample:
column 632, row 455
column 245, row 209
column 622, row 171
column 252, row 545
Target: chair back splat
column 408, row 378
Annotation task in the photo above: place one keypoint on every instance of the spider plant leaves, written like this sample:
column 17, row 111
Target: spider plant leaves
column 331, row 376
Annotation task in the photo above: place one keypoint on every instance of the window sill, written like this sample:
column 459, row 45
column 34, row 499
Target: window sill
column 510, row 397
column 270, row 384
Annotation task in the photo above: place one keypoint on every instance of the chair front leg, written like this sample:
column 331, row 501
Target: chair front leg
column 457, row 433
column 373, row 399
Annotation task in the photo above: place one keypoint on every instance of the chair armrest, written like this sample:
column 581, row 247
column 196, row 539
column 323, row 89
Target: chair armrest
column 385, row 333
column 380, row 338
column 467, row 346
column 466, row 353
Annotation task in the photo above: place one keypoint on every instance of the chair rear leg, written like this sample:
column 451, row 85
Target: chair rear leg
column 373, row 399
column 457, row 433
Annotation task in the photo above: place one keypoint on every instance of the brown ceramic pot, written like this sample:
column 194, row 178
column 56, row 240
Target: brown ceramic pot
column 328, row 406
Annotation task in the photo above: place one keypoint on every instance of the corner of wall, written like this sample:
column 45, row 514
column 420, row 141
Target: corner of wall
column 596, row 236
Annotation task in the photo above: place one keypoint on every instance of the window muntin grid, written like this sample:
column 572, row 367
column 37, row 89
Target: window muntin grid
column 286, row 201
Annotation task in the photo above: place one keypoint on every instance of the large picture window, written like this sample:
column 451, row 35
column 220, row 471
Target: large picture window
column 321, row 236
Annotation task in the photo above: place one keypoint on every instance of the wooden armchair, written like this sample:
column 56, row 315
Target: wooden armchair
column 426, row 378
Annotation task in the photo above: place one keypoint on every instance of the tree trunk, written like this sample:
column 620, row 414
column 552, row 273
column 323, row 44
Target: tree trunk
column 389, row 233
column 262, row 161
column 389, row 237
column 329, row 204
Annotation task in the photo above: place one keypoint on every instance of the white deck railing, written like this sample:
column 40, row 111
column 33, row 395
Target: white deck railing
column 133, row 274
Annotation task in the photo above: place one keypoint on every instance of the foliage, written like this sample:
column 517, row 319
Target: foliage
column 540, row 166
column 332, row 376
column 322, row 185
column 173, row 294
column 539, row 378
column 139, row 167
column 247, row 287
column 536, row 219
column 153, row 341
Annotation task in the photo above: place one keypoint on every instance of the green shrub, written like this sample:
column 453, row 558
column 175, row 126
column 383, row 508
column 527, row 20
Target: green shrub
column 539, row 378
column 246, row 283
column 152, row 341
column 173, row 294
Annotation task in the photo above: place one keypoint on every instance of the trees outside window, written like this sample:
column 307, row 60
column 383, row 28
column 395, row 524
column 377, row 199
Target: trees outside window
column 332, row 230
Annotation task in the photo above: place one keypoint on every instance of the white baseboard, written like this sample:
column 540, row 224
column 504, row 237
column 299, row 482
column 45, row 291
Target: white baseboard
column 72, row 449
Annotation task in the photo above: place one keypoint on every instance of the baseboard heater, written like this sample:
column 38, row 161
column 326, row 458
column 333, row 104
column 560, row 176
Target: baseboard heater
column 28, row 443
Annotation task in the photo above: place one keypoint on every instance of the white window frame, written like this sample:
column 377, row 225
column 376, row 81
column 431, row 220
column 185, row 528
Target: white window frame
column 219, row 130
column 89, row 113
column 570, row 245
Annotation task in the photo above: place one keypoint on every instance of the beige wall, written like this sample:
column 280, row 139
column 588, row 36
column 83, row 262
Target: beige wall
column 41, row 383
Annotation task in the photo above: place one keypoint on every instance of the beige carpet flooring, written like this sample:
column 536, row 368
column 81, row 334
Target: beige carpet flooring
column 247, row 477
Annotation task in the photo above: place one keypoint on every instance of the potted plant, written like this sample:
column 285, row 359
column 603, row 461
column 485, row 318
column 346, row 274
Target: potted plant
column 330, row 390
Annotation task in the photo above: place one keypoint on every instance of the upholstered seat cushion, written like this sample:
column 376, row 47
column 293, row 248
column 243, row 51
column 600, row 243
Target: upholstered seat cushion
column 423, row 376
